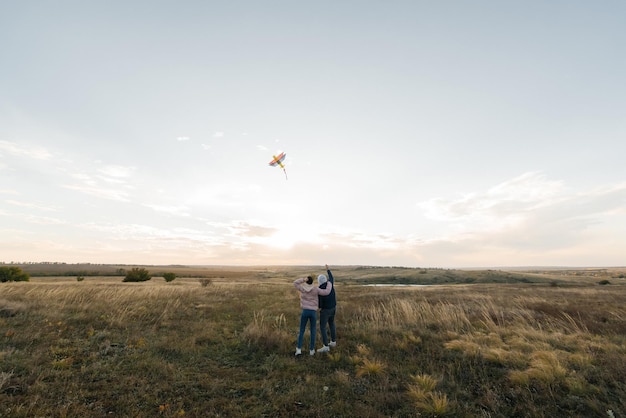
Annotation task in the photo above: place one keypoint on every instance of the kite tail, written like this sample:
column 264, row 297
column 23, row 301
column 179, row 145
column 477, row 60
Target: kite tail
column 285, row 174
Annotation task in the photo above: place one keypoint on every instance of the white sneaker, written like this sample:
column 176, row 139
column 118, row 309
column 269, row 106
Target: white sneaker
column 324, row 349
column 333, row 343
column 312, row 352
column 298, row 351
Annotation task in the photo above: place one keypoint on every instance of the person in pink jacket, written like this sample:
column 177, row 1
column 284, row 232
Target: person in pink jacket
column 309, row 303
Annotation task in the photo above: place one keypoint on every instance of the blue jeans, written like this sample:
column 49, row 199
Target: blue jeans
column 306, row 316
column 327, row 317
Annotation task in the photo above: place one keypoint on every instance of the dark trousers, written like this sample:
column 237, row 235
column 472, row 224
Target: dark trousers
column 327, row 317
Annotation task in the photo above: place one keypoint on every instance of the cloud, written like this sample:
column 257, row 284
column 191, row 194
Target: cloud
column 248, row 230
column 530, row 219
column 529, row 187
column 34, row 152
column 117, row 171
column 501, row 206
column 218, row 135
column 106, row 182
column 182, row 138
column 357, row 239
column 93, row 186
column 100, row 192
column 170, row 210
column 36, row 219
column 31, row 205
column 133, row 241
column 115, row 174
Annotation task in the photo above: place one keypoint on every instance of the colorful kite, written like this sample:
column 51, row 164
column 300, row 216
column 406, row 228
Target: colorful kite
column 278, row 161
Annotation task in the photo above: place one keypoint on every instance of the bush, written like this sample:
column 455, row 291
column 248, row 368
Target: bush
column 80, row 278
column 13, row 274
column 137, row 275
column 169, row 276
column 604, row 282
column 205, row 282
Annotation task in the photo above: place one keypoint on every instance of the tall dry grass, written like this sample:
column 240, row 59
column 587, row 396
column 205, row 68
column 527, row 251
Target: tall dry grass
column 546, row 339
column 105, row 348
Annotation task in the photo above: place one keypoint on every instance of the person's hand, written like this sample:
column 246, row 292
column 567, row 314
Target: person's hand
column 326, row 266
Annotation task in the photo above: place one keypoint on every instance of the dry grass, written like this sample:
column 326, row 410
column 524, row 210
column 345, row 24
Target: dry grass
column 370, row 367
column 100, row 347
column 425, row 382
column 268, row 332
column 426, row 400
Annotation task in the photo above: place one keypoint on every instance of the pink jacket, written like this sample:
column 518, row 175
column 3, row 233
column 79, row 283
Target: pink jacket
column 309, row 293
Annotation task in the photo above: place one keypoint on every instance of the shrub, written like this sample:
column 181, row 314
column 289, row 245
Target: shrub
column 137, row 275
column 13, row 274
column 604, row 282
column 169, row 276
column 80, row 278
column 205, row 282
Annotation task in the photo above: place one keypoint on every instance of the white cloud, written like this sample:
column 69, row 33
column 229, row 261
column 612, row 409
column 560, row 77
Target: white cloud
column 170, row 210
column 502, row 206
column 117, row 171
column 250, row 230
column 529, row 219
column 363, row 240
column 532, row 187
column 38, row 220
column 115, row 174
column 106, row 182
column 34, row 152
column 30, row 205
column 102, row 193
column 218, row 135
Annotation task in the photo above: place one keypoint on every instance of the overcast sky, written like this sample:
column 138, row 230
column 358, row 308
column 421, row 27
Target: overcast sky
column 418, row 133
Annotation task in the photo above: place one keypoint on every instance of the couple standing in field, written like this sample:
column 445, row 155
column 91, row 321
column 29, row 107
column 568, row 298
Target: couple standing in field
column 313, row 298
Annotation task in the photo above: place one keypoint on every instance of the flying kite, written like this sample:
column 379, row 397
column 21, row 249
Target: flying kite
column 278, row 161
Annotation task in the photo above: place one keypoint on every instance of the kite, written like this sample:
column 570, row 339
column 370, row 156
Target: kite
column 278, row 161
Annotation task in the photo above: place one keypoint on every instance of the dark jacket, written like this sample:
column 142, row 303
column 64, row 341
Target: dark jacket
column 329, row 301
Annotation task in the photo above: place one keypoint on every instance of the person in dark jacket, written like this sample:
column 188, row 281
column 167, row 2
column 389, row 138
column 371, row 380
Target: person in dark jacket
column 328, row 307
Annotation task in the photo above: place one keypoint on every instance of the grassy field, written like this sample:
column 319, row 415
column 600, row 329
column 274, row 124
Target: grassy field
column 219, row 342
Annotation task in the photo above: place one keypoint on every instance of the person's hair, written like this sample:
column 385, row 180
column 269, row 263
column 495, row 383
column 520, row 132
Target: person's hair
column 309, row 280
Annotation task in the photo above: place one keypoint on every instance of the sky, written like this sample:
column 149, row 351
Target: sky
column 448, row 134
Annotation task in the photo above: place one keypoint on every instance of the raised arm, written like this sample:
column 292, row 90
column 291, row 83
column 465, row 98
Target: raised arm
column 298, row 282
column 324, row 292
column 330, row 275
